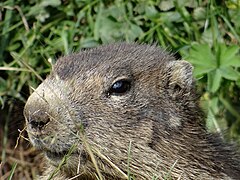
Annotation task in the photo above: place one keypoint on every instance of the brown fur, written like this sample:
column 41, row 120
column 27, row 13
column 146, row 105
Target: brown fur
column 153, row 130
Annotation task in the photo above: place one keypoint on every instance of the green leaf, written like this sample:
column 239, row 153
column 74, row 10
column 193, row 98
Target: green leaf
column 210, row 121
column 213, row 104
column 133, row 32
column 229, row 73
column 203, row 60
column 151, row 12
column 98, row 22
column 199, row 13
column 238, row 83
column 116, row 12
column 166, row 5
column 114, row 27
column 235, row 62
column 53, row 3
column 201, row 54
column 201, row 70
column 171, row 16
column 110, row 31
column 88, row 42
column 227, row 54
column 187, row 3
column 214, row 80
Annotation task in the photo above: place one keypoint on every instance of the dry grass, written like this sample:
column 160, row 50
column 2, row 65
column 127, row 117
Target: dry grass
column 27, row 160
column 17, row 157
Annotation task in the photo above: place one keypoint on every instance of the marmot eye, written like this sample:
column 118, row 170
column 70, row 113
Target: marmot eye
column 120, row 87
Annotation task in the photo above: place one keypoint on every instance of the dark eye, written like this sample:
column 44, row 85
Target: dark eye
column 120, row 87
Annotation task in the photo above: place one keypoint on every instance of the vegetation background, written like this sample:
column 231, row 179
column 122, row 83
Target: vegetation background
column 34, row 33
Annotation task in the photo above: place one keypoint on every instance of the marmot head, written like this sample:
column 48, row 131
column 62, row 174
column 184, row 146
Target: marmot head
column 110, row 96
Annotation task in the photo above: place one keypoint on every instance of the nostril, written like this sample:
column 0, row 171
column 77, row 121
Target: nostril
column 37, row 114
column 37, row 119
column 39, row 124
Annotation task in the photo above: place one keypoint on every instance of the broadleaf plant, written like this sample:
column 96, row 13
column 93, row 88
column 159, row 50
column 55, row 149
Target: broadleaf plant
column 222, row 63
column 218, row 67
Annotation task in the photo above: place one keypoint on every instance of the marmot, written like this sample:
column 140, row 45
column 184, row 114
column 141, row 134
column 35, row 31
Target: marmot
column 125, row 111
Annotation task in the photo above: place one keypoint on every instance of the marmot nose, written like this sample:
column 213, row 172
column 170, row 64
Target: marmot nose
column 38, row 119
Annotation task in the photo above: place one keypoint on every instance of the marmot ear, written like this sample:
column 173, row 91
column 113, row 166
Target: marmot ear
column 181, row 74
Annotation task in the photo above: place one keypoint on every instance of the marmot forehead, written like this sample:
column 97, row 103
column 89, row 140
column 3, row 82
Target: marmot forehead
column 112, row 58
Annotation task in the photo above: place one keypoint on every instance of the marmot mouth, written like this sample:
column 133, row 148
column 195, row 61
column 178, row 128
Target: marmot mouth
column 56, row 156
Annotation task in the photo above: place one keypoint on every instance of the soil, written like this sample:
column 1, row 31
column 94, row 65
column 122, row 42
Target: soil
column 17, row 156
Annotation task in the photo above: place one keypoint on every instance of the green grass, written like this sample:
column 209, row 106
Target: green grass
column 12, row 171
column 205, row 33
